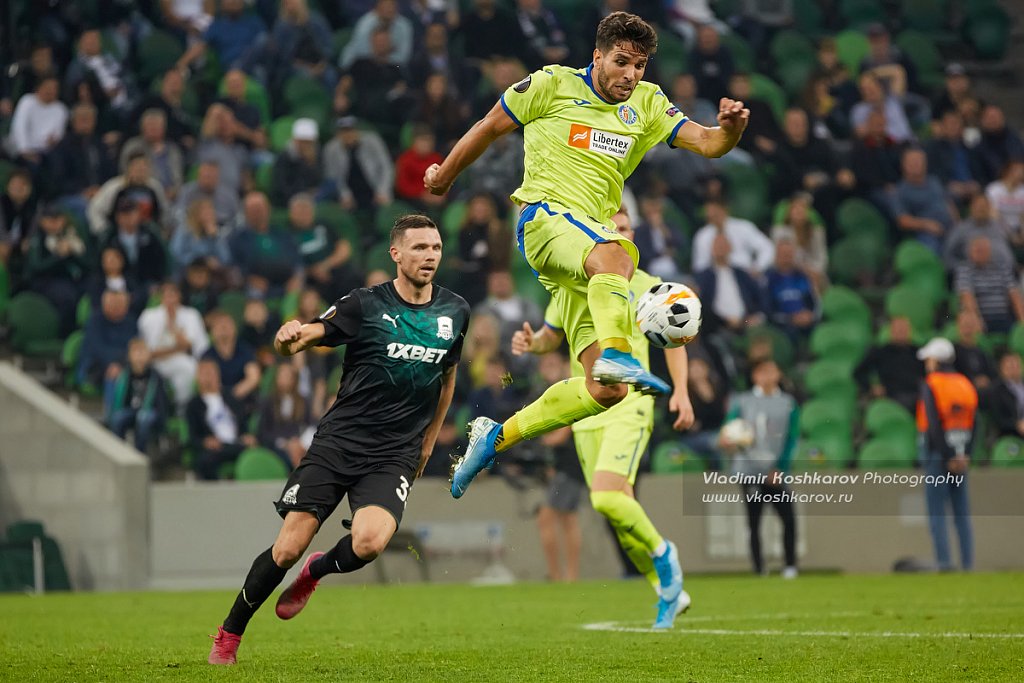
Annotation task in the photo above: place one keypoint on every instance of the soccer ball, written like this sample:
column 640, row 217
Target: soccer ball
column 736, row 434
column 669, row 315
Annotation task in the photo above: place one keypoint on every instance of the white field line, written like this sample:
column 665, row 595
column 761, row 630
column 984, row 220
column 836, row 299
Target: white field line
column 625, row 627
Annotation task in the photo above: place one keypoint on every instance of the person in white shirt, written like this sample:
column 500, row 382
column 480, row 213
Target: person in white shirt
column 752, row 250
column 1007, row 198
column 39, row 122
column 177, row 337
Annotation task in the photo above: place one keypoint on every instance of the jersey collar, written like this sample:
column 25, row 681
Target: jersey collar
column 588, row 78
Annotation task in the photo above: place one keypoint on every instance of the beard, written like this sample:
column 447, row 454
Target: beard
column 417, row 278
column 608, row 88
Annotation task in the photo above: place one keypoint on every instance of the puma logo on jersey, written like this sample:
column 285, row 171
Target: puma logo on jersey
column 600, row 141
column 415, row 352
column 393, row 321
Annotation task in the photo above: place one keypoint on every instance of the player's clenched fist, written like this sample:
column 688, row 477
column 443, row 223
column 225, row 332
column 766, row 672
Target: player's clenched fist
column 732, row 115
column 290, row 332
column 432, row 181
column 522, row 340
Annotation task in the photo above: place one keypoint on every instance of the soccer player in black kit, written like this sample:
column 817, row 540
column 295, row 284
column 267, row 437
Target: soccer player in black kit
column 404, row 340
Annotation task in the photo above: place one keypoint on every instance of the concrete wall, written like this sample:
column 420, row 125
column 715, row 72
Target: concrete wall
column 89, row 488
column 206, row 534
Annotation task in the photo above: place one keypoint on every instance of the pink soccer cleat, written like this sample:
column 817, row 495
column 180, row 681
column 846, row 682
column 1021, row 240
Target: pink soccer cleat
column 225, row 647
column 295, row 596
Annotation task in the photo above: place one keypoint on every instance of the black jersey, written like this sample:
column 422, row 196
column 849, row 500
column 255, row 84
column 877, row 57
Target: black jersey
column 396, row 355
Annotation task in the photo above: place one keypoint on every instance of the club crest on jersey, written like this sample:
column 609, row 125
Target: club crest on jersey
column 628, row 115
column 444, row 328
column 672, row 111
column 523, row 85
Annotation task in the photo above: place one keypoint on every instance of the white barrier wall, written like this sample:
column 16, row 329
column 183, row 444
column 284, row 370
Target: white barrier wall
column 90, row 489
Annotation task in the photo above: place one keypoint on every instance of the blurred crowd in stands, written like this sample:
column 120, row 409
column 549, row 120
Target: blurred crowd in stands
column 179, row 177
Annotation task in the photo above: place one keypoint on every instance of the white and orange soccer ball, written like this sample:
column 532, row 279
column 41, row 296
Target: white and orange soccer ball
column 669, row 315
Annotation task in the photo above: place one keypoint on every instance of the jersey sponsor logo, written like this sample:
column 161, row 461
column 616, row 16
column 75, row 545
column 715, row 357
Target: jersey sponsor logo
column 424, row 354
column 628, row 115
column 291, row 496
column 329, row 313
column 393, row 321
column 444, row 328
column 672, row 111
column 600, row 141
column 523, row 85
column 580, row 103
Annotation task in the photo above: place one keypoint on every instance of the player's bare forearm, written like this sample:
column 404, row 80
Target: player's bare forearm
column 293, row 337
column 719, row 140
column 677, row 361
column 439, row 178
column 546, row 341
column 433, row 429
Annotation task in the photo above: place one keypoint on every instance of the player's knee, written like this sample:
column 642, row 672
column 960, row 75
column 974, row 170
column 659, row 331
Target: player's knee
column 287, row 553
column 605, row 502
column 368, row 546
column 607, row 394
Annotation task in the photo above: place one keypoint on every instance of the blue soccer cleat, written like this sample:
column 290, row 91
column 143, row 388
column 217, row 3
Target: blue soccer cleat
column 618, row 367
column 670, row 573
column 668, row 610
column 480, row 454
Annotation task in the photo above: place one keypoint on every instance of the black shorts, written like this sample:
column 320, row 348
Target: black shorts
column 320, row 482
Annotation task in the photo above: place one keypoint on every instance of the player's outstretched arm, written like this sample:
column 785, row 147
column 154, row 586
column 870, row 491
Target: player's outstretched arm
column 717, row 141
column 294, row 336
column 528, row 341
column 677, row 361
column 443, row 403
column 439, row 178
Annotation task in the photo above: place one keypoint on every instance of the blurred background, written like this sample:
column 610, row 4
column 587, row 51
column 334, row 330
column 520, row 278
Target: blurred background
column 179, row 177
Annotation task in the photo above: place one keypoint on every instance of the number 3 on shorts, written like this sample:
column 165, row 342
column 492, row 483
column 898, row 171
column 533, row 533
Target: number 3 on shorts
column 403, row 491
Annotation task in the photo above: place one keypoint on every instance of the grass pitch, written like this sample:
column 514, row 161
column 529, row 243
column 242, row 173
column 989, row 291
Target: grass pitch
column 817, row 628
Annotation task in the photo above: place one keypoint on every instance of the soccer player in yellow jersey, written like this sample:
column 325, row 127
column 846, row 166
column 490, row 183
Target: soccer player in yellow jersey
column 611, row 444
column 585, row 131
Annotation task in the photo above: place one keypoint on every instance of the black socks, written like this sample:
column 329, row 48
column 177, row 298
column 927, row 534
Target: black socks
column 263, row 578
column 340, row 559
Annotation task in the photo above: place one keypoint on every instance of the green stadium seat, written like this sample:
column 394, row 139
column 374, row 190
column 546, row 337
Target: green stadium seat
column 1008, row 452
column 764, row 88
column 912, row 255
column 908, row 301
column 899, row 451
column 824, row 375
column 259, row 464
column 927, row 16
column 264, row 177
column 25, row 531
column 857, row 261
column 233, row 303
column 34, row 326
column 820, row 415
column 71, row 350
column 987, row 30
column 852, row 47
column 748, row 192
column 887, row 417
column 157, row 52
column 1016, row 340
column 828, row 449
column 794, row 76
column 5, row 290
column 782, row 347
column 845, row 341
column 281, row 132
column 807, row 17
column 920, row 49
column 671, row 457
column 790, row 45
column 742, row 54
column 856, row 216
column 387, row 215
column 671, row 58
column 859, row 13
column 451, row 219
column 842, row 304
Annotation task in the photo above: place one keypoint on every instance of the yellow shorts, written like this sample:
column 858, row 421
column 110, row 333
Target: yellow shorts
column 615, row 440
column 556, row 240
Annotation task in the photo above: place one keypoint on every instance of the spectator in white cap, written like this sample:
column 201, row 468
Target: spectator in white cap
column 945, row 425
column 298, row 167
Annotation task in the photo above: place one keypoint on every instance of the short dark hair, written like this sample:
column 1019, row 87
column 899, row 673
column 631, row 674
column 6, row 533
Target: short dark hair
column 410, row 222
column 623, row 27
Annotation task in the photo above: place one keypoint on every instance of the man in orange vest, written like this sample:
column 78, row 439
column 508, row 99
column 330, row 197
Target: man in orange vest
column 945, row 426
